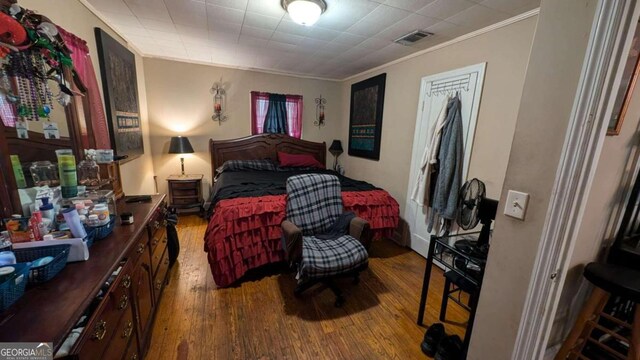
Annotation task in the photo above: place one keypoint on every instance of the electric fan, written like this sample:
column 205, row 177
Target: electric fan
column 474, row 208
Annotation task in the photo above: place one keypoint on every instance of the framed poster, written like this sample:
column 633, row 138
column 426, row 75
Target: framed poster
column 627, row 84
column 365, row 117
column 120, row 87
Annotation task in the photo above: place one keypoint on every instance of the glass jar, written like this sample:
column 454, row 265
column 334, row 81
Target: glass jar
column 44, row 173
column 88, row 173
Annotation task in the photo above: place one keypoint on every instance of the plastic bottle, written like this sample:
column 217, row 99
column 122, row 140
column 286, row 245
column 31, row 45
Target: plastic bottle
column 34, row 224
column 102, row 210
column 73, row 221
column 47, row 209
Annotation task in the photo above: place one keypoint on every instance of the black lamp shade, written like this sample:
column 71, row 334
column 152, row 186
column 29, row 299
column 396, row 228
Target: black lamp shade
column 180, row 145
column 336, row 148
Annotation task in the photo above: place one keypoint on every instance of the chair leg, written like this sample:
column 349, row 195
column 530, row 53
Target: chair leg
column 339, row 298
column 634, row 348
column 589, row 311
column 445, row 299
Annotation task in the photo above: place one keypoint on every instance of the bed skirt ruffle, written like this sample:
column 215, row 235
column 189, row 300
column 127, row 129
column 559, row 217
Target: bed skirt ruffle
column 245, row 233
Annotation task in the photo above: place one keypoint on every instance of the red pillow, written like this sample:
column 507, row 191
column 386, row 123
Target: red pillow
column 298, row 160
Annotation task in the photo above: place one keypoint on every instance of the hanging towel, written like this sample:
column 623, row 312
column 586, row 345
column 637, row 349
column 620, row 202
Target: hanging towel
column 450, row 161
column 429, row 158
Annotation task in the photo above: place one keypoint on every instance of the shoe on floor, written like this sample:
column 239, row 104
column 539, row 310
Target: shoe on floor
column 432, row 338
column 450, row 348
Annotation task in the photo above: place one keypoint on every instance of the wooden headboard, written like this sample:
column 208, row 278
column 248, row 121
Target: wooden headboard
column 263, row 146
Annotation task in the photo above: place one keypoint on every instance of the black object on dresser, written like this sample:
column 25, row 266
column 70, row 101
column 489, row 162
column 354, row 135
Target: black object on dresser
column 185, row 192
column 119, row 308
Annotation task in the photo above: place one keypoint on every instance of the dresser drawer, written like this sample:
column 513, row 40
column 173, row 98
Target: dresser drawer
column 189, row 185
column 186, row 201
column 161, row 275
column 125, row 332
column 132, row 351
column 140, row 249
column 98, row 334
column 177, row 194
column 158, row 251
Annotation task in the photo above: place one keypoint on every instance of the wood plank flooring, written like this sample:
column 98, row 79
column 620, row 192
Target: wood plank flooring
column 261, row 319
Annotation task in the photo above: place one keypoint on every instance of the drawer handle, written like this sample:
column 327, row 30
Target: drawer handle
column 156, row 224
column 140, row 248
column 134, row 357
column 128, row 330
column 124, row 301
column 100, row 330
column 164, row 240
column 126, row 282
column 158, row 284
column 155, row 242
column 164, row 222
column 166, row 261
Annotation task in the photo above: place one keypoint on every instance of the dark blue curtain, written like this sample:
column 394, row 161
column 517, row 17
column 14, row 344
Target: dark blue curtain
column 276, row 119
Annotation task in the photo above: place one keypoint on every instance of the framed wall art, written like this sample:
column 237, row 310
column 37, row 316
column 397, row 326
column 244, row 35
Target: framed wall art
column 365, row 119
column 120, row 87
column 622, row 97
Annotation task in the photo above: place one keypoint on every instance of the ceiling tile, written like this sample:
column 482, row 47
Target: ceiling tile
column 256, row 32
column 323, row 34
column 118, row 19
column 290, row 27
column 513, row 7
column 349, row 39
column 151, row 24
column 442, row 9
column 478, row 16
column 223, row 37
column 223, row 26
column 187, row 12
column 219, row 13
column 266, row 7
column 234, row 4
column 410, row 5
column 411, row 23
column 192, row 32
column 149, row 9
column 377, row 20
column 261, row 21
column 252, row 41
column 281, row 46
column 117, row 7
column 287, row 38
column 448, row 29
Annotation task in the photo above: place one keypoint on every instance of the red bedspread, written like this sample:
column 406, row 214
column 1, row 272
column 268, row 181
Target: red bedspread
column 244, row 233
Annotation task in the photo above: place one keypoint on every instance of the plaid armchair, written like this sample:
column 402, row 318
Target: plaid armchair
column 318, row 237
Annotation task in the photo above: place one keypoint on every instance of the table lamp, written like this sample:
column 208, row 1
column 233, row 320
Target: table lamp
column 336, row 150
column 180, row 145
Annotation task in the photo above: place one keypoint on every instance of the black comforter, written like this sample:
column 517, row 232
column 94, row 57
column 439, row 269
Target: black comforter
column 235, row 184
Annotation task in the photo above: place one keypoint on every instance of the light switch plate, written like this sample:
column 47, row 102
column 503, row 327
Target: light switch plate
column 516, row 204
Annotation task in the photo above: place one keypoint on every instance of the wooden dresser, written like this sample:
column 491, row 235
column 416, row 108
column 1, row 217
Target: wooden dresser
column 119, row 309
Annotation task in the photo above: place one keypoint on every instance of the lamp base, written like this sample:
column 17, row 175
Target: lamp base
column 182, row 166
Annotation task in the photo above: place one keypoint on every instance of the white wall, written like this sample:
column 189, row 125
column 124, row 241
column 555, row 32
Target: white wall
column 180, row 104
column 506, row 51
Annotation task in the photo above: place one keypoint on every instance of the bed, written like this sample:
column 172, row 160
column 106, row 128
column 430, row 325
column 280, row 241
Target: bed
column 247, row 206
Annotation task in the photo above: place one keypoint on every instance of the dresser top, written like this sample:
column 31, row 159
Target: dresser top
column 48, row 311
column 186, row 177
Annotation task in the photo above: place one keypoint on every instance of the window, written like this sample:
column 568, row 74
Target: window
column 276, row 113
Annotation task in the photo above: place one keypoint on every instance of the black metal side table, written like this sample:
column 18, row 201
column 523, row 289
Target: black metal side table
column 466, row 265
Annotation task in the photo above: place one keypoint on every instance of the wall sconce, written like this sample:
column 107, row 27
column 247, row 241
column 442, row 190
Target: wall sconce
column 219, row 103
column 320, row 103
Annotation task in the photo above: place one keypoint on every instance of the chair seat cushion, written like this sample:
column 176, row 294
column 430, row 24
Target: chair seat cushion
column 617, row 280
column 322, row 258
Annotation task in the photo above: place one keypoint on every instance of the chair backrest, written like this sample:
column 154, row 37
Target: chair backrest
column 314, row 202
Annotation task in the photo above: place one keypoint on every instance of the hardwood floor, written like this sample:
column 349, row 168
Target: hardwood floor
column 261, row 319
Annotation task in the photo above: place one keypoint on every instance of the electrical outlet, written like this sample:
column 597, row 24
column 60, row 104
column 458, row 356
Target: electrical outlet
column 516, row 205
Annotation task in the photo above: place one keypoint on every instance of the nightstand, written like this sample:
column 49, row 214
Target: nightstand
column 185, row 192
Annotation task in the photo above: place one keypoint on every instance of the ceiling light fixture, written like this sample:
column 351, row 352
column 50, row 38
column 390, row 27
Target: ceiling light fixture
column 304, row 12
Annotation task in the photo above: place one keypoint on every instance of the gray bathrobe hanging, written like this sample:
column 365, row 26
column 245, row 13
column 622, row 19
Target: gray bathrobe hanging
column 450, row 160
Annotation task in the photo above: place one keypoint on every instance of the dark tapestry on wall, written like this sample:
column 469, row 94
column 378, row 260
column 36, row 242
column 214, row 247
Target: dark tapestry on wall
column 365, row 120
column 120, row 87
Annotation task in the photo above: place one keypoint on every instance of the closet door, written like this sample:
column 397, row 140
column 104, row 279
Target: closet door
column 435, row 89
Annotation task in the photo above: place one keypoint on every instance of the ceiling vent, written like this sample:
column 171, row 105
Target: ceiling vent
column 412, row 37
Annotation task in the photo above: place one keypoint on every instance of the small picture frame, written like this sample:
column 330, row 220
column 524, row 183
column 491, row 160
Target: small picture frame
column 22, row 128
column 50, row 130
